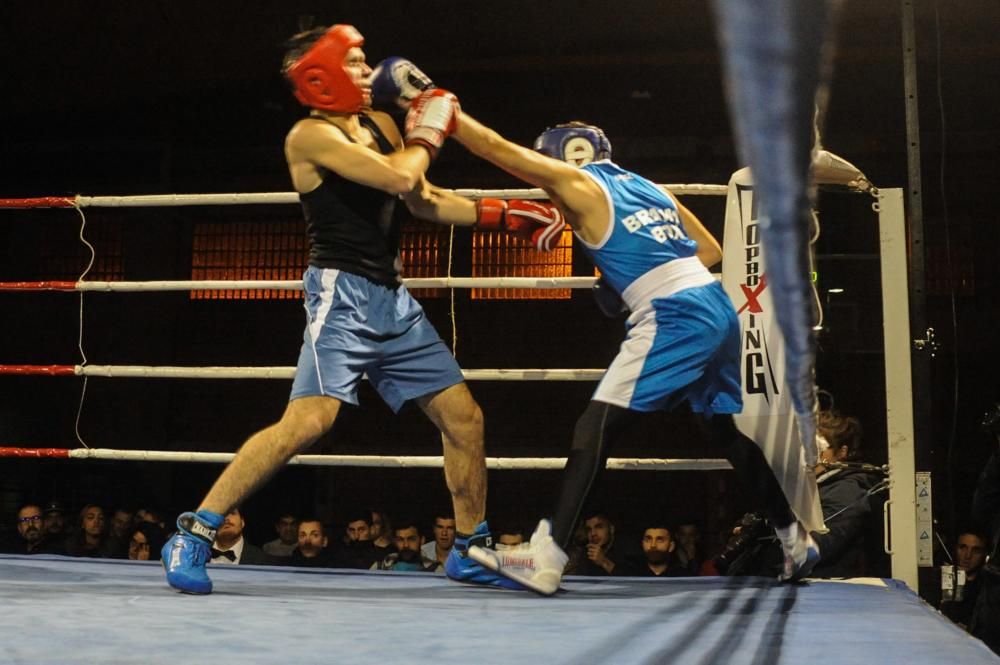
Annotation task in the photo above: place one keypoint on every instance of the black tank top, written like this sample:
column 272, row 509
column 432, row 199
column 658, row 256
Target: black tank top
column 353, row 227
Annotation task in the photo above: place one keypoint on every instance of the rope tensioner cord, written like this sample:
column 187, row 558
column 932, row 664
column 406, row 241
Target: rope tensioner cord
column 272, row 198
column 369, row 461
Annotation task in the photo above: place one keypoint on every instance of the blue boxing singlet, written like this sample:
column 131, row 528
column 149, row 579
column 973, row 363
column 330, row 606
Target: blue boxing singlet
column 645, row 231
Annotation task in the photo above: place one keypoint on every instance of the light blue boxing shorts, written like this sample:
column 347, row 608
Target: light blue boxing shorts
column 682, row 347
column 356, row 327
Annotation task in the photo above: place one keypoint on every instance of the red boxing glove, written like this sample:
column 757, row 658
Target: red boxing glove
column 541, row 224
column 432, row 117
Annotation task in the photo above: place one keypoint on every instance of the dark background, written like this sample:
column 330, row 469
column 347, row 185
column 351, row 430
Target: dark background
column 178, row 97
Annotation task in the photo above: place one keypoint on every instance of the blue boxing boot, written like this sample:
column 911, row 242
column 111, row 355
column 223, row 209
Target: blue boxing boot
column 188, row 550
column 462, row 568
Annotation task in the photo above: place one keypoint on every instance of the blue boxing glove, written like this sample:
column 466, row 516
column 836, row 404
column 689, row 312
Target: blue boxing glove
column 611, row 303
column 396, row 82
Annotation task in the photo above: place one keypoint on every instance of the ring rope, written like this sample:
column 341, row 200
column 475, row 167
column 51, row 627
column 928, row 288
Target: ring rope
column 374, row 461
column 296, row 284
column 166, row 372
column 78, row 202
column 271, row 198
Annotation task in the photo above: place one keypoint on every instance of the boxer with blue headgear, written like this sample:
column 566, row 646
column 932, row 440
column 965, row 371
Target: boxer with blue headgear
column 682, row 339
column 579, row 144
column 575, row 143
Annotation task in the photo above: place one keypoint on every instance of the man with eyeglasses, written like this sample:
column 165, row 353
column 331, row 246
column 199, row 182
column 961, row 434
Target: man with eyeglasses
column 30, row 528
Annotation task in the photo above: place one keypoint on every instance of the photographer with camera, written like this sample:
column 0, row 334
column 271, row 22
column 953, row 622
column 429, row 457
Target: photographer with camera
column 846, row 486
column 845, row 490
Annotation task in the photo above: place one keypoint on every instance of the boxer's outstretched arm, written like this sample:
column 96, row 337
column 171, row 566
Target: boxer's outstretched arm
column 566, row 184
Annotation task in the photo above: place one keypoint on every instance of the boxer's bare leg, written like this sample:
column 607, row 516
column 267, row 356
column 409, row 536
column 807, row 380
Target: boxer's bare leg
column 305, row 420
column 455, row 412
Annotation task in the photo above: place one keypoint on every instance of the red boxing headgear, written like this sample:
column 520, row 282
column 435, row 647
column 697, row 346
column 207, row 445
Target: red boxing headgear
column 319, row 76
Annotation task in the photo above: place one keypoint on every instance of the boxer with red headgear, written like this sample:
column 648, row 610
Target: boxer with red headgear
column 351, row 167
column 321, row 76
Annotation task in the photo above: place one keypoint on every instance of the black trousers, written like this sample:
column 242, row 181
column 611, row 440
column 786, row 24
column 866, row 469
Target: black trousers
column 600, row 427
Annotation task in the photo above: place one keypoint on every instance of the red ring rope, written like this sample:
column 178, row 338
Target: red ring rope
column 40, row 202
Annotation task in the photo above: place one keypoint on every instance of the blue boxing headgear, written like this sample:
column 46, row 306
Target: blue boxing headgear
column 574, row 143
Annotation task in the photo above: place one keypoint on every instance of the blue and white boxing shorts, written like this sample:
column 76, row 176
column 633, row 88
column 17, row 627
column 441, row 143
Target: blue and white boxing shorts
column 356, row 327
column 682, row 347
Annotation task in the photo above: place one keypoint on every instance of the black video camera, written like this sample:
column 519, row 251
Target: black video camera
column 742, row 550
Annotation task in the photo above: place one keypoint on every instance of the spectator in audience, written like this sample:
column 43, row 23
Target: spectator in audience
column 382, row 533
column 658, row 555
column 601, row 554
column 444, row 538
column 970, row 556
column 122, row 522
column 56, row 525
column 230, row 547
column 357, row 550
column 311, row 551
column 688, row 550
column 121, row 526
column 510, row 536
column 970, row 553
column 287, row 527
column 151, row 514
column 408, row 555
column 32, row 537
column 359, row 527
column 145, row 541
column 90, row 539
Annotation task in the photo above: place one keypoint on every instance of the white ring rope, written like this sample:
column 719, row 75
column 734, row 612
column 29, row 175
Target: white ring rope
column 149, row 372
column 296, row 285
column 406, row 461
column 174, row 200
column 270, row 198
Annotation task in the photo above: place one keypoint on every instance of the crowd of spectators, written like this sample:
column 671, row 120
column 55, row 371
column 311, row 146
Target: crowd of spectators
column 370, row 538
column 364, row 539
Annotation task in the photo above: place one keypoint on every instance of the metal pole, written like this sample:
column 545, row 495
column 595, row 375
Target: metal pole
column 898, row 389
column 921, row 343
